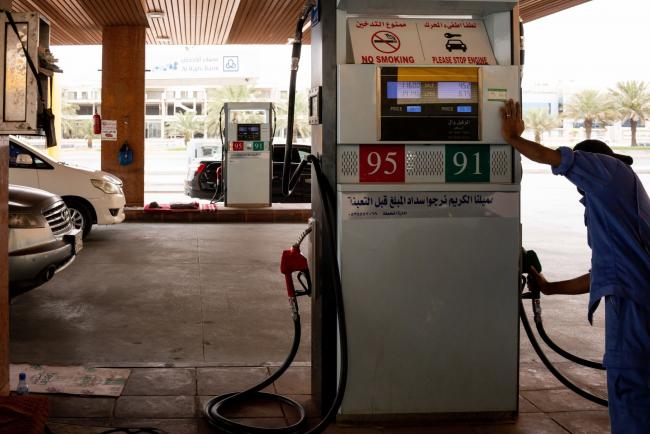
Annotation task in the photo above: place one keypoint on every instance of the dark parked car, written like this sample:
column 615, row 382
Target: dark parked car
column 203, row 177
column 42, row 237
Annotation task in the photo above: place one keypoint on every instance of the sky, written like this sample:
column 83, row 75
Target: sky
column 592, row 45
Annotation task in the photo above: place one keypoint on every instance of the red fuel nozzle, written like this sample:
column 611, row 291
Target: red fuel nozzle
column 293, row 261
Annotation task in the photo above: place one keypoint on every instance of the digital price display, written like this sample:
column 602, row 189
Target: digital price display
column 248, row 132
column 429, row 104
column 454, row 90
column 404, row 90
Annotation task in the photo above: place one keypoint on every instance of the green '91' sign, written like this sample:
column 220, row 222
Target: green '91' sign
column 465, row 163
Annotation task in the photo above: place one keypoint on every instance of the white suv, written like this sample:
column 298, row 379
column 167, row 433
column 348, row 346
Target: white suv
column 92, row 196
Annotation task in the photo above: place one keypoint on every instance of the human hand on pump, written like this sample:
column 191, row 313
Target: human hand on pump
column 512, row 125
column 537, row 282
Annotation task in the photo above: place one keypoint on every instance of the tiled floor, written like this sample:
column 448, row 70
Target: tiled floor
column 172, row 399
column 177, row 309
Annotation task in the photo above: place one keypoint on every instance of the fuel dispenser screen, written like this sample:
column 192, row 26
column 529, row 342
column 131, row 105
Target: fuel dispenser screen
column 430, row 104
column 248, row 132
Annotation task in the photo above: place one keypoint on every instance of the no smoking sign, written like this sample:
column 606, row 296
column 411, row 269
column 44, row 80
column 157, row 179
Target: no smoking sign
column 385, row 41
column 382, row 41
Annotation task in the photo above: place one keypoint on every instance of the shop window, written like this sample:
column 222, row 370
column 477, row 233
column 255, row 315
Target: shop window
column 85, row 109
column 152, row 109
column 152, row 130
column 153, row 94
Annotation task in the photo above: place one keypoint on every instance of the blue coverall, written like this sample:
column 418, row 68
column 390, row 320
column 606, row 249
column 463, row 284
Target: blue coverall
column 617, row 216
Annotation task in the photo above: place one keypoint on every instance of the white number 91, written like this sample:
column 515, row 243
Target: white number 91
column 460, row 160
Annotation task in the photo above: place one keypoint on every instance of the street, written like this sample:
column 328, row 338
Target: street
column 552, row 218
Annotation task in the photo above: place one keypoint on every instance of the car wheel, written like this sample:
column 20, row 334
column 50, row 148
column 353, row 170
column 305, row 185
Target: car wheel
column 80, row 215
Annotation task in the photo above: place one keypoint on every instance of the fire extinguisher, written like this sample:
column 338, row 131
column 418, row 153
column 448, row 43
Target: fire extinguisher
column 97, row 123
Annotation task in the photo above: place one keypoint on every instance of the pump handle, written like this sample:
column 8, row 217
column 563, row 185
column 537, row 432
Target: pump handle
column 294, row 262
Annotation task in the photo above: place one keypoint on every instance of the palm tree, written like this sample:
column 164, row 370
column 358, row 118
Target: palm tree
column 631, row 102
column 84, row 130
column 185, row 124
column 591, row 106
column 301, row 127
column 68, row 125
column 540, row 121
column 217, row 97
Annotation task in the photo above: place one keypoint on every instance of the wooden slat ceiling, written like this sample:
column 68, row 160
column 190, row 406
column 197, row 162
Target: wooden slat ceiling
column 199, row 22
column 533, row 9
column 191, row 22
column 258, row 21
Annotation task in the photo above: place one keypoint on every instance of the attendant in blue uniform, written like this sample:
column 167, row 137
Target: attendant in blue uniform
column 617, row 216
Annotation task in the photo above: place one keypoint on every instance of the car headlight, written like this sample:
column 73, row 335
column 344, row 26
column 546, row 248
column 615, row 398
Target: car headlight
column 105, row 186
column 25, row 221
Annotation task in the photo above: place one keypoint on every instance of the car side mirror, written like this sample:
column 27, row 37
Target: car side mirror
column 24, row 160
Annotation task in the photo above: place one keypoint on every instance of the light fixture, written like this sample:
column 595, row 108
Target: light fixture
column 163, row 38
column 156, row 14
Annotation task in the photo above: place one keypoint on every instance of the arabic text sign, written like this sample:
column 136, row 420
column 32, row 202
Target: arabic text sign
column 109, row 130
column 429, row 204
column 420, row 41
column 456, row 42
column 385, row 41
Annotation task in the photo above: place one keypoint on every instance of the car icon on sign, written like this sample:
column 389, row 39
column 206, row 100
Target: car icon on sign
column 455, row 44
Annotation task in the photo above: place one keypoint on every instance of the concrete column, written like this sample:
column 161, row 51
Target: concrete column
column 123, row 101
column 4, row 265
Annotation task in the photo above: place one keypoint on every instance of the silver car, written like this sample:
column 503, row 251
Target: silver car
column 42, row 237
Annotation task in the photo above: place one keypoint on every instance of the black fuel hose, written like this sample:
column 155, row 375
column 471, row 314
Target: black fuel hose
column 216, row 404
column 331, row 269
column 539, row 324
column 295, row 61
column 552, row 369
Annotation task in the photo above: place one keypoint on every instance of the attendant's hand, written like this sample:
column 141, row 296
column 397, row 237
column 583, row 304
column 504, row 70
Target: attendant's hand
column 512, row 125
column 537, row 281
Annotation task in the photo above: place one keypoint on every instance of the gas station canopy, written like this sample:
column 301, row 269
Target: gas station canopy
column 198, row 22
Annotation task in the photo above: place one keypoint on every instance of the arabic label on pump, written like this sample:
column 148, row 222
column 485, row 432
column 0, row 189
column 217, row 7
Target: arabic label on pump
column 429, row 204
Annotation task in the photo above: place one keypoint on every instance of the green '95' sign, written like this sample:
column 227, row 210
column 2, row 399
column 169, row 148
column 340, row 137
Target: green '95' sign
column 465, row 163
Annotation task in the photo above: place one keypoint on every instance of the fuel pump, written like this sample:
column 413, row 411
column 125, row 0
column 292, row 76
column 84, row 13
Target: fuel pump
column 248, row 145
column 427, row 204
